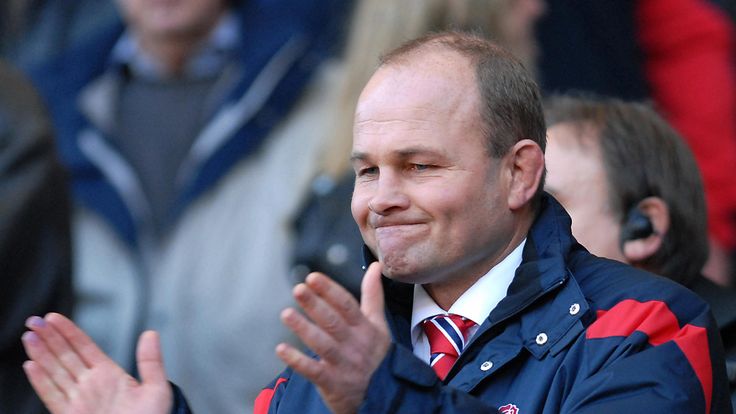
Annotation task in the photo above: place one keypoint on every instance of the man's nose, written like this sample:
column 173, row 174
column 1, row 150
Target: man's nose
column 389, row 195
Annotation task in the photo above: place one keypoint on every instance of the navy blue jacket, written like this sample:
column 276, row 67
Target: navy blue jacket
column 575, row 334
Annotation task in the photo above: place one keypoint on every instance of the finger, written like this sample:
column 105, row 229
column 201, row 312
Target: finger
column 371, row 295
column 148, row 354
column 312, row 336
column 307, row 367
column 53, row 398
column 61, row 349
column 38, row 351
column 336, row 296
column 321, row 312
column 82, row 344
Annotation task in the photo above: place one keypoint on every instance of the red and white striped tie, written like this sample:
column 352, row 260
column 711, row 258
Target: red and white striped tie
column 447, row 335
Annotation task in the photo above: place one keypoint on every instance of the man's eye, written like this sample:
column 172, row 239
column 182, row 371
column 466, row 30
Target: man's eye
column 420, row 167
column 367, row 171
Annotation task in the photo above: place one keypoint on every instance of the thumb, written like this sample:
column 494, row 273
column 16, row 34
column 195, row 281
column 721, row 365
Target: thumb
column 148, row 354
column 371, row 295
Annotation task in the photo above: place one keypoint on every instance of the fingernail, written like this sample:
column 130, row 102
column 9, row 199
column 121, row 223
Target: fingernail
column 35, row 322
column 286, row 314
column 30, row 337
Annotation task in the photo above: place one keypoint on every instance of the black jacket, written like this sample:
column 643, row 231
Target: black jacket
column 34, row 232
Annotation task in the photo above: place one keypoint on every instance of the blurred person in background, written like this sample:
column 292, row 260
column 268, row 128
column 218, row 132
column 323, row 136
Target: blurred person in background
column 34, row 31
column 328, row 240
column 634, row 193
column 35, row 254
column 184, row 127
column 681, row 54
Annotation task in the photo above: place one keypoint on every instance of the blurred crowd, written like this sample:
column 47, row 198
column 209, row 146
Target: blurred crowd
column 179, row 165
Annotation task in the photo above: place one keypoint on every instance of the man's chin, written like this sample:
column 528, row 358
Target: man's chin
column 402, row 270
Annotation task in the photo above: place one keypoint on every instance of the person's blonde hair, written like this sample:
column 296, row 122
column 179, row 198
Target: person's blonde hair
column 381, row 25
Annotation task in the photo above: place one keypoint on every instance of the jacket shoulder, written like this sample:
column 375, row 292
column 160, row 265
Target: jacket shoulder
column 67, row 73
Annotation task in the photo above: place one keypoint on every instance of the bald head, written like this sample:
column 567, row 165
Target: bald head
column 437, row 83
column 509, row 101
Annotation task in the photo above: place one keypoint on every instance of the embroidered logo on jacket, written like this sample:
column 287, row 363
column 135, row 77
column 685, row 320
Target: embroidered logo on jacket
column 509, row 409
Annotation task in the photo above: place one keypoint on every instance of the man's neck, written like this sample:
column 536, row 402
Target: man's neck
column 476, row 303
column 446, row 291
column 172, row 51
column 445, row 294
column 172, row 54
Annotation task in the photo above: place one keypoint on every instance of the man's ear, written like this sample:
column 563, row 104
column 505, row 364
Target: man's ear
column 526, row 163
column 638, row 249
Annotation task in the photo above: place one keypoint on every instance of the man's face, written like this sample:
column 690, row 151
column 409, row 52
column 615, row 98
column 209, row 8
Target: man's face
column 576, row 176
column 429, row 200
column 171, row 19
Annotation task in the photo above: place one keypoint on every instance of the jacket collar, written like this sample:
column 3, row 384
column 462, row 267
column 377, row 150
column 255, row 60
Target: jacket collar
column 529, row 317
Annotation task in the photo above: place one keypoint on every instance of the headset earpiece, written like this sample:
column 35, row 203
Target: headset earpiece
column 636, row 226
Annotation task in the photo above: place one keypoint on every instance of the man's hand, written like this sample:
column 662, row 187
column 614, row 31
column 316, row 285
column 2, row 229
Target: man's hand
column 73, row 376
column 350, row 339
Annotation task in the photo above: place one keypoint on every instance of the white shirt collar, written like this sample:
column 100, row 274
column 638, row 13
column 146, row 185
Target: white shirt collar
column 475, row 304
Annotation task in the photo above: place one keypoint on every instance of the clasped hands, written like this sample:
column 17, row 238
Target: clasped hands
column 72, row 375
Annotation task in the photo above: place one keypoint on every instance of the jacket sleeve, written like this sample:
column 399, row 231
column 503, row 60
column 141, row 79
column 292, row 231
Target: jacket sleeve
column 180, row 405
column 404, row 384
column 269, row 397
column 640, row 357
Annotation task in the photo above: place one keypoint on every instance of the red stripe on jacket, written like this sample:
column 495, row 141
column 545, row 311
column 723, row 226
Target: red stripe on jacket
column 263, row 401
column 657, row 321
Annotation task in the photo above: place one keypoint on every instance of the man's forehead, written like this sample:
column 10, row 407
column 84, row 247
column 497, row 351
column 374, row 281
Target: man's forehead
column 411, row 118
column 411, row 97
column 422, row 66
column 575, row 135
column 432, row 53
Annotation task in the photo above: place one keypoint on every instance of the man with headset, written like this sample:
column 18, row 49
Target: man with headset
column 634, row 193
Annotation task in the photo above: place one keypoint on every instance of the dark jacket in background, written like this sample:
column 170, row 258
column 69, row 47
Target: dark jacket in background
column 34, row 232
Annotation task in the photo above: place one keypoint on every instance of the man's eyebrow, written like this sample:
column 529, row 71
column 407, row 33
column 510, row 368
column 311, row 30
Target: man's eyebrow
column 358, row 156
column 401, row 154
column 419, row 150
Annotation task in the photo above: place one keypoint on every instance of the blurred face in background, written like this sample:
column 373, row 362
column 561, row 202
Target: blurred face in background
column 516, row 22
column 510, row 22
column 171, row 20
column 577, row 178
